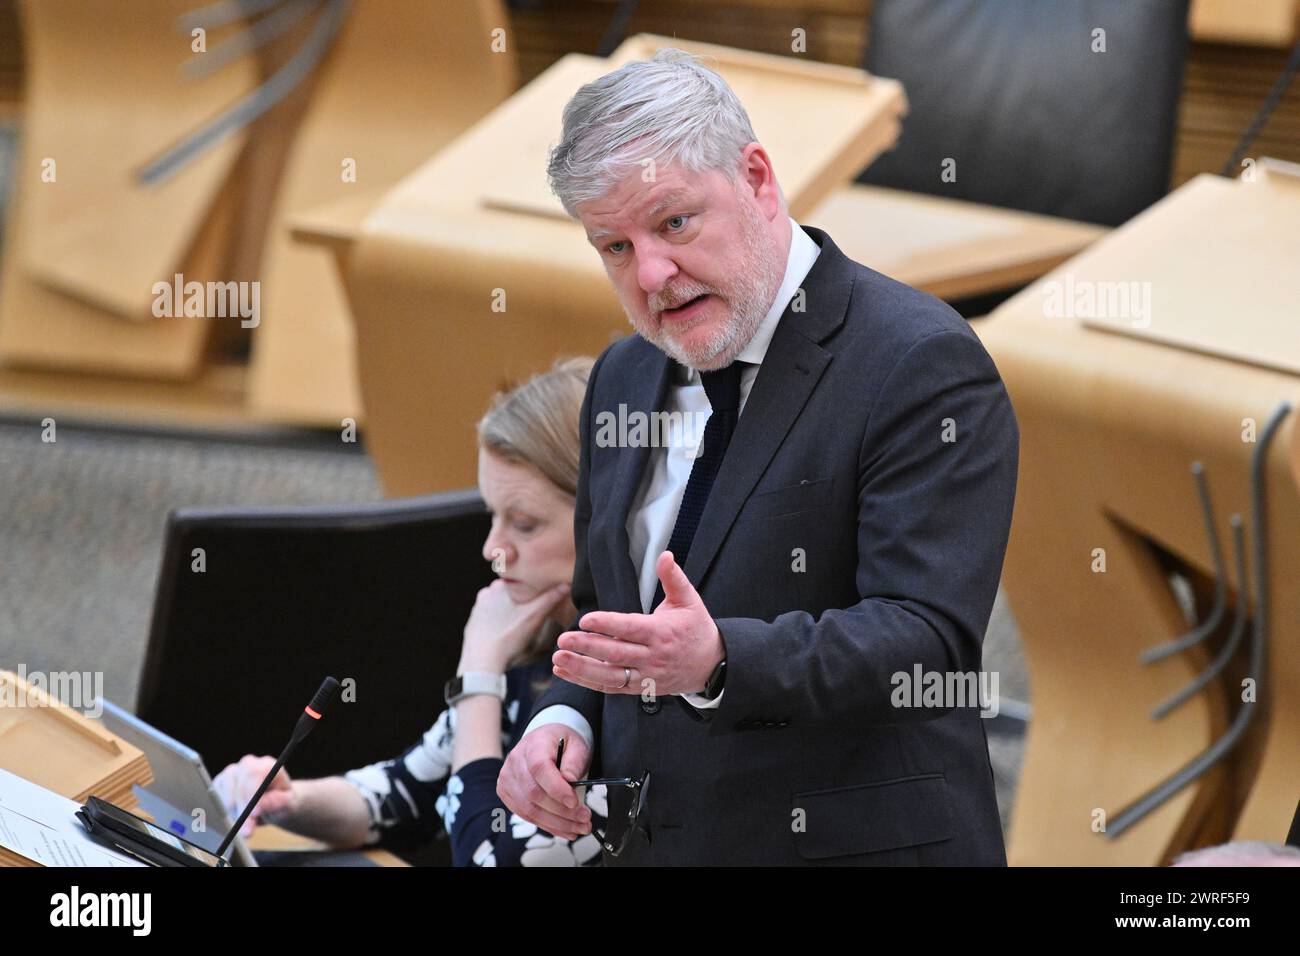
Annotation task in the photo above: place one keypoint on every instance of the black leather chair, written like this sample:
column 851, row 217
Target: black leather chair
column 378, row 593
column 1035, row 120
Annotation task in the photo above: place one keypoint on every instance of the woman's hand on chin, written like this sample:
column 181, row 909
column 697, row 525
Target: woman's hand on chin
column 498, row 629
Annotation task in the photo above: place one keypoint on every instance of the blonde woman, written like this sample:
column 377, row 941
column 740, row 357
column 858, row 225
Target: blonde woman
column 527, row 474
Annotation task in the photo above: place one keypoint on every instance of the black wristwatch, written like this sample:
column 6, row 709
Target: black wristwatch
column 713, row 687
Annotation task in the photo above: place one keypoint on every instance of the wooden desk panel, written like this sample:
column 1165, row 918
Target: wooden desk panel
column 949, row 248
column 1110, row 425
column 268, row 837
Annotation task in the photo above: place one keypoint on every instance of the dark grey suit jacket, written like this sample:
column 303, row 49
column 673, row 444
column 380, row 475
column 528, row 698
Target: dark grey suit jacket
column 839, row 457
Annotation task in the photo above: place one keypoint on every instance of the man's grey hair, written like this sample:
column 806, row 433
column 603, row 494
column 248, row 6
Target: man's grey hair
column 668, row 108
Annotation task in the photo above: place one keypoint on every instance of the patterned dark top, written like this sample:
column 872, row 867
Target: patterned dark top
column 413, row 796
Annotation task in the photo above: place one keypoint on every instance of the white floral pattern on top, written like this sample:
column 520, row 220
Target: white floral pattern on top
column 412, row 796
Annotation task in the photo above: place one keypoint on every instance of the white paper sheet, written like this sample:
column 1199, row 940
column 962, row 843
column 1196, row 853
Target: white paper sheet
column 42, row 826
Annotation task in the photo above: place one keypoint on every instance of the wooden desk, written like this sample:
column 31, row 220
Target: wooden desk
column 268, row 837
column 1254, row 22
column 949, row 248
column 1110, row 425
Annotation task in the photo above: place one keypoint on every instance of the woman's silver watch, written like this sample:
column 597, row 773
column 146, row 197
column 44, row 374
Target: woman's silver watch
column 474, row 682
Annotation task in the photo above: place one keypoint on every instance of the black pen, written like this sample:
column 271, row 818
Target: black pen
column 559, row 757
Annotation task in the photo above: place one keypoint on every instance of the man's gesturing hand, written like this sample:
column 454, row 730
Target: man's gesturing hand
column 532, row 786
column 670, row 651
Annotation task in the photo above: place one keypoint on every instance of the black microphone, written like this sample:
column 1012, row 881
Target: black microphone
column 311, row 716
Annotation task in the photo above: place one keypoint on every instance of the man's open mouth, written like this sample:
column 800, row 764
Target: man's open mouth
column 687, row 304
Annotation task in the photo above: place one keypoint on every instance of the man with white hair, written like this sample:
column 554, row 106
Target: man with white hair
column 746, row 608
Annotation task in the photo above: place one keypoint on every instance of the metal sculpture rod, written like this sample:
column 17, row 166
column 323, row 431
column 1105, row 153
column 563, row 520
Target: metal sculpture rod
column 1215, row 617
column 1239, row 619
column 276, row 87
column 1199, row 764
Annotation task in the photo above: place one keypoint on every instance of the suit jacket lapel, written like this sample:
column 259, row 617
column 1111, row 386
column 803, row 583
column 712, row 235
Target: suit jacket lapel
column 646, row 391
column 793, row 365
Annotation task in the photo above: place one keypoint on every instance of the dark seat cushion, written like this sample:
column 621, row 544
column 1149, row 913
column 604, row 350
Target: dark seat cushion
column 1035, row 119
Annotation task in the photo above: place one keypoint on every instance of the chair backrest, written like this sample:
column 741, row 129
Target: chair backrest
column 1068, row 109
column 378, row 593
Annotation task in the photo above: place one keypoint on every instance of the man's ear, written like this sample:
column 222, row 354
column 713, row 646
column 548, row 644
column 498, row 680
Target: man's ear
column 759, row 177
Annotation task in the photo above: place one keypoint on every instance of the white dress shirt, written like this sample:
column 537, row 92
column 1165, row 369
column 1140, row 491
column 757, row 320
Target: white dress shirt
column 654, row 510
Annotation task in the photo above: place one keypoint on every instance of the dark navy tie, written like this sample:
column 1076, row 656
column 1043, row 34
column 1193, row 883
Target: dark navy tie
column 723, row 389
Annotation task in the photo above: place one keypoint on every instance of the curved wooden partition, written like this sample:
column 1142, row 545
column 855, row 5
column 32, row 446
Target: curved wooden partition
column 406, row 77
column 103, row 95
column 1113, row 409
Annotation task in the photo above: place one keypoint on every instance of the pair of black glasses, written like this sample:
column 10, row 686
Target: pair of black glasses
column 619, row 828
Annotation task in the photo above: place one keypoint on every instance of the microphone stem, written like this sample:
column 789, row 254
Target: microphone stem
column 266, row 782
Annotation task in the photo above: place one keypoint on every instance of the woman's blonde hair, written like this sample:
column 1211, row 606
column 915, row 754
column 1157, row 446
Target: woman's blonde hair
column 536, row 424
